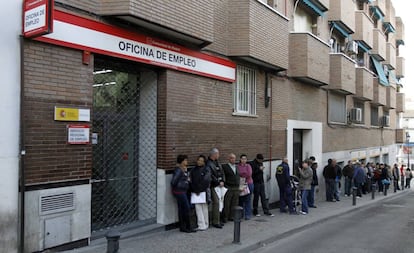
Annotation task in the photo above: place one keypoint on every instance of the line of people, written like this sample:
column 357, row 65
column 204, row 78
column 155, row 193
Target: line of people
column 210, row 185
column 218, row 187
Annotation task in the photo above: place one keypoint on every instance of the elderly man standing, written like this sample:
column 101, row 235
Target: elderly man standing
column 217, row 179
column 232, row 184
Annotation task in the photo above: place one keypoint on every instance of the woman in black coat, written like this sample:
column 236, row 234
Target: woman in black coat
column 180, row 184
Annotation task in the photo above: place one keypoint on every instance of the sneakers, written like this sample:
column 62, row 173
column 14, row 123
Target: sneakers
column 302, row 212
column 257, row 215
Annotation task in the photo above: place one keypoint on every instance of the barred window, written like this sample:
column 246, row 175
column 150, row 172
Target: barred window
column 245, row 91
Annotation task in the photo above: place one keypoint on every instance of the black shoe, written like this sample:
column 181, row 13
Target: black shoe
column 187, row 230
column 217, row 226
column 269, row 214
column 294, row 213
column 255, row 212
column 230, row 219
column 313, row 206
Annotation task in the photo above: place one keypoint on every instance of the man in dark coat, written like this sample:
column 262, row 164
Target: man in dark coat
column 285, row 189
column 232, row 184
column 259, row 186
column 217, row 179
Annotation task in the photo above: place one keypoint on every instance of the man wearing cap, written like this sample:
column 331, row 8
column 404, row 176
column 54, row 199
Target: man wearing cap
column 259, row 186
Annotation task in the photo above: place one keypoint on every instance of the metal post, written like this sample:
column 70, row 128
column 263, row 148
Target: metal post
column 385, row 188
column 238, row 213
column 354, row 192
column 112, row 238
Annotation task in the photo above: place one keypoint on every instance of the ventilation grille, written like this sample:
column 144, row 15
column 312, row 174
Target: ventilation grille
column 57, row 203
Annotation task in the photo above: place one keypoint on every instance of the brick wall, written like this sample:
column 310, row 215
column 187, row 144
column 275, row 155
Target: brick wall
column 54, row 76
column 189, row 17
column 257, row 32
column 199, row 117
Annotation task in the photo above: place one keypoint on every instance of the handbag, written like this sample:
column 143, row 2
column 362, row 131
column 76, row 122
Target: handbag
column 198, row 199
column 244, row 187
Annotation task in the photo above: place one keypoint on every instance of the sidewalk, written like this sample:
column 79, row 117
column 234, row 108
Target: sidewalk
column 254, row 233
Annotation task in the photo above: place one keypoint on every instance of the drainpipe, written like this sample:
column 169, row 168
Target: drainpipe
column 269, row 103
column 21, row 148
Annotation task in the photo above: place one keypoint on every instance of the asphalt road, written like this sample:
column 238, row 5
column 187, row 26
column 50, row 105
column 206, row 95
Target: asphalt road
column 386, row 227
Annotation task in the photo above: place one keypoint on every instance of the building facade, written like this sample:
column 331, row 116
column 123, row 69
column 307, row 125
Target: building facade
column 119, row 88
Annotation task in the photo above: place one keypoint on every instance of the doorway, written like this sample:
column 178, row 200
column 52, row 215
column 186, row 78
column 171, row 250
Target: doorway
column 124, row 144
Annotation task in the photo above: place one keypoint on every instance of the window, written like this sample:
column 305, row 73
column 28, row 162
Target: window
column 245, row 91
column 374, row 116
column 337, row 108
column 304, row 22
column 360, row 104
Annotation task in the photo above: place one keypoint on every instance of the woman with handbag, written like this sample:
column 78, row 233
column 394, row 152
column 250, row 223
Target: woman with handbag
column 246, row 186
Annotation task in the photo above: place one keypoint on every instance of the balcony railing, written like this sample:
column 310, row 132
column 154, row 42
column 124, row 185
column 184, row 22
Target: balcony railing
column 342, row 74
column 308, row 59
column 364, row 84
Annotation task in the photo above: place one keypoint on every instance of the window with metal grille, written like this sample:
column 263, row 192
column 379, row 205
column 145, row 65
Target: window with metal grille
column 245, row 91
column 337, row 108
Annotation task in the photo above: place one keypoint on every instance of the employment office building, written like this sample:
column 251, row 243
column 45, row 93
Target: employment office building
column 111, row 92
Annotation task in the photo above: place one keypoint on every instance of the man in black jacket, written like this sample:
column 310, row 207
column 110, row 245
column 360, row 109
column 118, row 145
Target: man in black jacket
column 259, row 186
column 232, row 184
column 217, row 179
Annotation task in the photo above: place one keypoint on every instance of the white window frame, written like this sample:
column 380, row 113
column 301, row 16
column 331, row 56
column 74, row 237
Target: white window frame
column 245, row 91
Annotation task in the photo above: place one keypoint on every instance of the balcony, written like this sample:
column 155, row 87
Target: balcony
column 400, row 71
column 380, row 4
column 364, row 84
column 380, row 94
column 389, row 13
column 308, row 59
column 342, row 12
column 391, row 60
column 178, row 20
column 391, row 97
column 400, row 107
column 400, row 32
column 399, row 135
column 342, row 74
column 258, row 34
column 363, row 28
column 378, row 47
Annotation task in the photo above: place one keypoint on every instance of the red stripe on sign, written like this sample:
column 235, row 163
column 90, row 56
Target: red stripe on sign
column 113, row 30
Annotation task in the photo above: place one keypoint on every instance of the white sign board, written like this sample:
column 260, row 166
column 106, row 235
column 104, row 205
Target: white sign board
column 78, row 134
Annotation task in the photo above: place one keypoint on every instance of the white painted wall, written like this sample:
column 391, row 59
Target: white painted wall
column 9, row 130
column 80, row 217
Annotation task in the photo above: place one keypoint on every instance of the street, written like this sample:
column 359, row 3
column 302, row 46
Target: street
column 387, row 226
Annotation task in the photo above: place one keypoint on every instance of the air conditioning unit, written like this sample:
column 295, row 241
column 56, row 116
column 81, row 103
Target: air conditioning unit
column 352, row 47
column 356, row 115
column 385, row 121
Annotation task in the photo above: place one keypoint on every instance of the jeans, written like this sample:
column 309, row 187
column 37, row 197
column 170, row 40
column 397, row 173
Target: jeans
column 330, row 188
column 305, row 194
column 259, row 192
column 285, row 195
column 183, row 210
column 359, row 189
column 311, row 196
column 348, row 186
column 246, row 203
